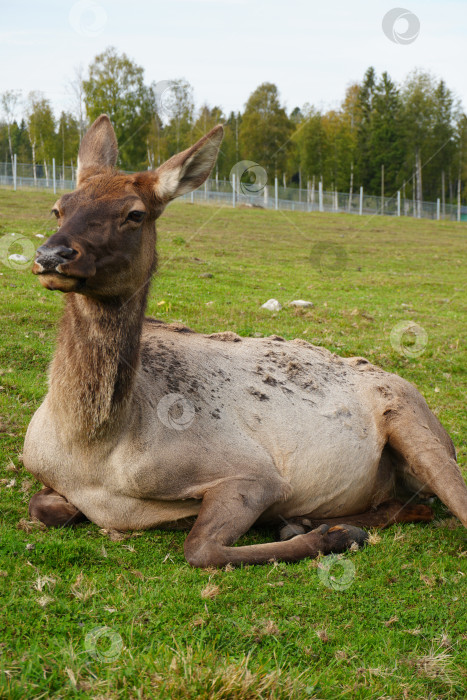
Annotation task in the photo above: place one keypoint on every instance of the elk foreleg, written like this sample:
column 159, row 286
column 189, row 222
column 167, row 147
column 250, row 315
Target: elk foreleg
column 54, row 510
column 230, row 509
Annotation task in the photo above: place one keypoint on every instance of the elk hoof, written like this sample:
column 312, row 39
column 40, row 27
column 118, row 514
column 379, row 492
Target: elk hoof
column 350, row 533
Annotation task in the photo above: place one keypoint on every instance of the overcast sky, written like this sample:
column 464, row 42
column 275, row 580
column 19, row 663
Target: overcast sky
column 226, row 48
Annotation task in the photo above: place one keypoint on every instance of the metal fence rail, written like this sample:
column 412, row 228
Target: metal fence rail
column 62, row 178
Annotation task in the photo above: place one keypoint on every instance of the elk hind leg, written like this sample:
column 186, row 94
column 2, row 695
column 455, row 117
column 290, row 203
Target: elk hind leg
column 426, row 459
column 383, row 516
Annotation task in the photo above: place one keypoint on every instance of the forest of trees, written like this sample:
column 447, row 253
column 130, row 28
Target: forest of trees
column 384, row 136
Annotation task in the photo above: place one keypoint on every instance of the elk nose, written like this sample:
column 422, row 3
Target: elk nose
column 51, row 256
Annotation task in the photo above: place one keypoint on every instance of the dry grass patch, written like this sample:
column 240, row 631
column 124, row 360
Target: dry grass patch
column 210, row 591
column 30, row 525
column 267, row 628
column 436, row 665
column 218, row 680
column 374, row 537
column 81, row 589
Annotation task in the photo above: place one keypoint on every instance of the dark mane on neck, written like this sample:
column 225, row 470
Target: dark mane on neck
column 95, row 363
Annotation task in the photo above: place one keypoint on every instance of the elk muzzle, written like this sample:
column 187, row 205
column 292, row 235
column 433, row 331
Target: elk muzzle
column 48, row 258
column 62, row 268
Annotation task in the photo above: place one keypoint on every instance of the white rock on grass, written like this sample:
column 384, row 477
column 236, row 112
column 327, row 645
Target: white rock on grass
column 272, row 305
column 39, row 235
column 16, row 257
column 302, row 303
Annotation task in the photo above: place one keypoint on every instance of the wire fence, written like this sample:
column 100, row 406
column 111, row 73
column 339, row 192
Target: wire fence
column 311, row 199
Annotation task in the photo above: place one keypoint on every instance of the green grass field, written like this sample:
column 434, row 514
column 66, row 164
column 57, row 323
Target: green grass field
column 85, row 614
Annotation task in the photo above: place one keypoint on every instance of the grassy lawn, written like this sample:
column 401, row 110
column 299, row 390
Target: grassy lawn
column 87, row 614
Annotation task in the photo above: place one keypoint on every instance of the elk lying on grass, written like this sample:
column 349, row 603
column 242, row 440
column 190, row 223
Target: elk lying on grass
column 150, row 425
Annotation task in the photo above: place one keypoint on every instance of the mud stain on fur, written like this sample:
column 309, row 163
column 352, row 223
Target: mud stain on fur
column 257, row 393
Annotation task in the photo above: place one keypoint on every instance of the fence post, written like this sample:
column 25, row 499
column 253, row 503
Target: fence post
column 233, row 188
column 14, row 172
column 398, row 202
column 276, row 193
column 53, row 176
column 360, row 210
column 320, row 191
column 192, row 196
column 458, row 200
column 205, row 190
column 438, row 209
column 265, row 195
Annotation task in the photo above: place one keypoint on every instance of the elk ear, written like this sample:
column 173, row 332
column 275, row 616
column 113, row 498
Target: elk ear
column 188, row 170
column 98, row 148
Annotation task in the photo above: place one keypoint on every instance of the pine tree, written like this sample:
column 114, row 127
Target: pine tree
column 386, row 138
column 365, row 164
column 444, row 142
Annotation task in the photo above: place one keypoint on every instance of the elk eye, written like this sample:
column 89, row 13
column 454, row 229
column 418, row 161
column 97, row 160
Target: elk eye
column 56, row 213
column 136, row 216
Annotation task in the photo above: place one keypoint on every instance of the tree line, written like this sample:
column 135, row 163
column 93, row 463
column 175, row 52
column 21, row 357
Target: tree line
column 384, row 137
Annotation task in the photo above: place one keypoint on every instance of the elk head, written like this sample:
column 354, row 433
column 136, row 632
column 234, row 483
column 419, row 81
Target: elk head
column 105, row 243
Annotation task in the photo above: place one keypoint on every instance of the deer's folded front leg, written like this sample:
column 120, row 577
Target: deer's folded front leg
column 229, row 510
column 54, row 510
